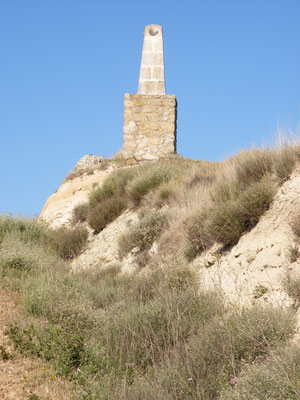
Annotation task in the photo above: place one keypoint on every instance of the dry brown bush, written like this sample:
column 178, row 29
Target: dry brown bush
column 105, row 212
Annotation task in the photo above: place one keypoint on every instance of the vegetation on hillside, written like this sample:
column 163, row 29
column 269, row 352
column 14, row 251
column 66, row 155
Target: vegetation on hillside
column 207, row 202
column 148, row 335
column 156, row 333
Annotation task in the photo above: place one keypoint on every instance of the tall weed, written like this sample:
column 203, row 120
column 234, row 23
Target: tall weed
column 143, row 233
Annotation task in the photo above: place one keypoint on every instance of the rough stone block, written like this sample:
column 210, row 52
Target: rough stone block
column 149, row 126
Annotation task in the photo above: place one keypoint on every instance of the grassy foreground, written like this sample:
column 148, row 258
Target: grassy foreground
column 155, row 334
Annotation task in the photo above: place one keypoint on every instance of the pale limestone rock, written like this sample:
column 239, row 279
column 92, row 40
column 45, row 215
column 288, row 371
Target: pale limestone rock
column 103, row 248
column 260, row 256
column 89, row 160
column 58, row 209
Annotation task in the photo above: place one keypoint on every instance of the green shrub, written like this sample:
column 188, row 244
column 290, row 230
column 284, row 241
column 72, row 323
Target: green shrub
column 202, row 366
column 224, row 224
column 107, row 202
column 68, row 243
column 255, row 200
column 4, row 353
column 13, row 271
column 80, row 213
column 254, row 331
column 33, row 397
column 259, row 291
column 233, row 214
column 114, row 185
column 105, row 212
column 49, row 341
column 143, row 233
column 197, row 237
column 142, row 332
column 26, row 229
column 17, row 263
column 293, row 253
column 276, row 378
column 228, row 220
column 146, row 180
column 165, row 193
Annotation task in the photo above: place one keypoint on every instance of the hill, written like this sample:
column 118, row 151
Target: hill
column 169, row 279
column 255, row 255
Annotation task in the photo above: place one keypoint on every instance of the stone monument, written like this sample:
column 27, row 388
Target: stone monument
column 150, row 115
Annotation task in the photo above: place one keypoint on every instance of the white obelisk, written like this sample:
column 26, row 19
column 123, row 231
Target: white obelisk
column 152, row 73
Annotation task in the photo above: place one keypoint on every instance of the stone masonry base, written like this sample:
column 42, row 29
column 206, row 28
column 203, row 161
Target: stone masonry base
column 149, row 126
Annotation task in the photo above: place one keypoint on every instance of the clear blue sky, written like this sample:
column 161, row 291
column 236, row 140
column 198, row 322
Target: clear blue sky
column 65, row 65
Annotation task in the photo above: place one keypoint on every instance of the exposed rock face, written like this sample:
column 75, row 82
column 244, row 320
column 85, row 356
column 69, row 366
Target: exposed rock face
column 103, row 248
column 58, row 209
column 149, row 126
column 260, row 257
column 89, row 160
column 57, row 212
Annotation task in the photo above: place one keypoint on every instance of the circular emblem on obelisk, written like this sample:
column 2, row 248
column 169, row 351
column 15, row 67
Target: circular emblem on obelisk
column 153, row 31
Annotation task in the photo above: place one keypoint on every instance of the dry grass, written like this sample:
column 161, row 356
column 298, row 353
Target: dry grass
column 105, row 212
column 276, row 378
column 291, row 284
column 154, row 334
column 130, row 186
column 222, row 201
column 80, row 213
column 148, row 178
column 143, row 233
column 23, row 377
column 86, row 171
column 68, row 243
column 116, row 161
column 295, row 224
column 157, row 333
